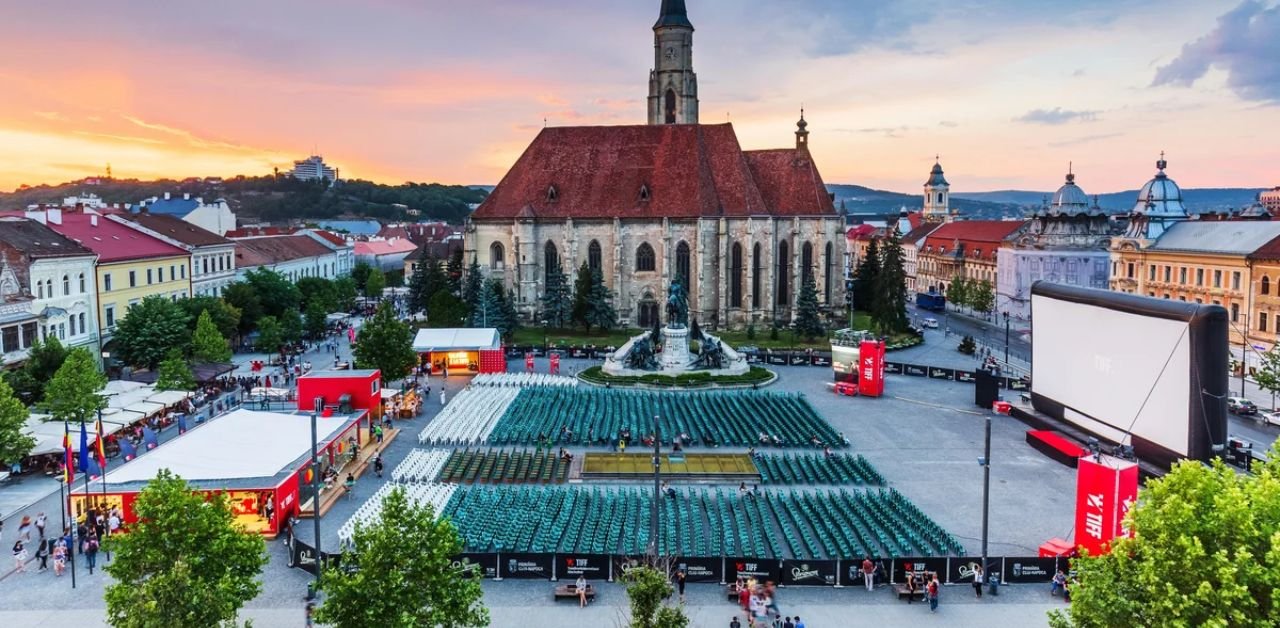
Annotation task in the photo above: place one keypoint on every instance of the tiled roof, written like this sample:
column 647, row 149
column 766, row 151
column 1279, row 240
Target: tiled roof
column 112, row 241
column 1231, row 237
column 277, row 249
column 246, row 232
column 177, row 229
column 35, row 240
column 652, row 171
column 860, row 232
column 918, row 233
column 384, row 247
column 983, row 236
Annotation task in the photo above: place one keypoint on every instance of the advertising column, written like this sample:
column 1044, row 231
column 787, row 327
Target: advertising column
column 871, row 368
column 1105, row 491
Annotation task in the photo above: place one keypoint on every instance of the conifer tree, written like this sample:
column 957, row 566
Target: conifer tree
column 600, row 304
column 808, row 319
column 865, row 276
column 556, row 302
column 889, row 303
column 207, row 343
column 582, row 285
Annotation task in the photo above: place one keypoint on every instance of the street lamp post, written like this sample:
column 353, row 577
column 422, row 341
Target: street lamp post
column 315, row 481
column 985, row 461
column 657, row 473
column 1006, row 339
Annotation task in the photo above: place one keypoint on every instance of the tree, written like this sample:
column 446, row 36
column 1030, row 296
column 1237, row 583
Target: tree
column 316, row 321
column 453, row 272
column 15, row 444
column 580, row 313
column 507, row 320
column 1205, row 551
column 318, row 291
column 1268, row 373
column 386, row 343
column 72, row 394
column 375, row 283
column 865, row 278
column 43, row 360
column 174, row 373
column 186, row 563
column 291, row 326
column 345, row 290
column 394, row 278
column 270, row 335
column 150, row 329
column 485, row 310
column 423, row 587
column 208, row 343
column 360, row 273
column 647, row 587
column 556, row 301
column 446, row 310
column 982, row 297
column 958, row 292
column 600, row 304
column 890, row 303
column 808, row 321
column 473, row 283
column 417, row 282
column 242, row 296
column 275, row 293
column 226, row 317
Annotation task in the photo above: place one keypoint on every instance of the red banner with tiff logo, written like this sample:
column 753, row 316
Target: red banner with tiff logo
column 1106, row 489
column 871, row 368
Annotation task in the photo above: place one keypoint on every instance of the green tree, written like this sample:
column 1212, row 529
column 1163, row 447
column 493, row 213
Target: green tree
column 1205, row 551
column 581, row 309
column 316, row 322
column 982, row 297
column 473, row 283
column 506, row 320
column 72, row 394
column 557, row 303
column 207, row 343
column 360, row 273
column 374, row 284
column 15, row 444
column 446, row 310
column 291, row 326
column 386, row 343
column 453, row 273
column 865, row 278
column 395, row 278
column 647, row 587
column 276, row 294
column 1268, row 373
column 600, row 304
column 185, row 563
column 150, row 329
column 890, row 303
column 808, row 321
column 43, row 360
column 318, row 291
column 270, row 335
column 423, row 587
column 417, row 283
column 242, row 296
column 345, row 290
column 226, row 317
column 958, row 292
column 174, row 373
column 485, row 312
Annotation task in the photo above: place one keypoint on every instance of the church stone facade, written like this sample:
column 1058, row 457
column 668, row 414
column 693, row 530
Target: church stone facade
column 647, row 203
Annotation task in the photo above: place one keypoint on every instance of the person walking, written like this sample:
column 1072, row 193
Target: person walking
column 91, row 550
column 442, row 399
column 42, row 553
column 799, row 624
column 59, row 557
column 24, row 529
column 19, row 556
column 977, row 580
column 933, row 590
column 377, row 465
column 680, row 578
column 869, row 573
column 41, row 521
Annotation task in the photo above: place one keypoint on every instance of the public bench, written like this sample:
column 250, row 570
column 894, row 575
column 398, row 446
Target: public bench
column 570, row 592
column 903, row 592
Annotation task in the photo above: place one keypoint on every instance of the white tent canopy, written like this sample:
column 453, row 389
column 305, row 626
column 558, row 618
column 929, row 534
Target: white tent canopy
column 390, row 393
column 460, row 339
column 169, row 397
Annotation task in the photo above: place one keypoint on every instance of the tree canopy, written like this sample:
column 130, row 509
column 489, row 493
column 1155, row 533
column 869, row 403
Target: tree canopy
column 374, row 285
column 446, row 310
column 226, row 317
column 647, row 587
column 889, row 305
column 43, row 360
column 808, row 321
column 865, row 276
column 320, row 292
column 174, row 373
column 72, row 394
column 275, row 293
column 244, row 297
column 151, row 328
column 386, row 343
column 207, row 343
column 1205, row 551
column 185, row 563
column 15, row 444
column 270, row 335
column 557, row 301
column 400, row 573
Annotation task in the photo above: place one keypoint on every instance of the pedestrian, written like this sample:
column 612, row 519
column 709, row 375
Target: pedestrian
column 869, row 572
column 1059, row 583
column 787, row 623
column 91, row 550
column 799, row 624
column 442, row 401
column 377, row 465
column 977, row 580
column 680, row 578
column 19, row 556
column 42, row 553
column 59, row 558
column 24, row 529
column 377, row 433
column 933, row 594
column 734, row 623
column 113, row 521
column 82, row 532
column 40, row 523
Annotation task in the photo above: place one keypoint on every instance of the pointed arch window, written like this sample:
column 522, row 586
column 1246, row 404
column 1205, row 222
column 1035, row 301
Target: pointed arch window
column 595, row 258
column 551, row 261
column 1266, row 285
column 682, row 267
column 553, row 194
column 82, row 287
column 806, row 261
column 645, row 259
column 497, row 256
column 784, row 274
column 669, row 106
column 828, row 270
column 757, row 269
column 735, row 276
column 644, row 193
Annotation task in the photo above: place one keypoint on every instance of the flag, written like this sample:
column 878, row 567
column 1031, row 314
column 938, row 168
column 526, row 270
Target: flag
column 100, row 450
column 127, row 450
column 69, row 462
column 149, row 440
column 182, row 424
column 84, row 449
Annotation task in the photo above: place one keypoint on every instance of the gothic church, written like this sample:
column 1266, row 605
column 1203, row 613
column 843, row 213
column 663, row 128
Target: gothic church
column 646, row 203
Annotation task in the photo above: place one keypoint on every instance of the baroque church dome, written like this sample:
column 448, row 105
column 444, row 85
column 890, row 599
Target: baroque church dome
column 1069, row 199
column 1161, row 196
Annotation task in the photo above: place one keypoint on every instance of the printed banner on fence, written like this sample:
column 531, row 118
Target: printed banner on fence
column 779, row 359
column 966, row 376
column 761, row 569
column 622, row 564
column 936, row 372
column 483, row 565
column 1030, row 569
column 962, row 567
column 1017, row 383
column 533, row 566
column 853, row 571
column 303, row 556
column 809, row 572
column 928, row 564
column 819, row 359
column 799, row 359
column 892, row 368
column 589, row 566
column 915, row 370
column 700, row 569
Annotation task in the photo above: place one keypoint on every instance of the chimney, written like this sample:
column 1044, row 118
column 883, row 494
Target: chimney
column 186, row 196
column 93, row 220
column 166, row 196
column 53, row 216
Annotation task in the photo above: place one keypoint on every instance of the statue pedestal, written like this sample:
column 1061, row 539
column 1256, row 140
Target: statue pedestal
column 675, row 349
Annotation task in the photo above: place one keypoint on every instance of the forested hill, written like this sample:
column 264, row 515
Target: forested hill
column 272, row 198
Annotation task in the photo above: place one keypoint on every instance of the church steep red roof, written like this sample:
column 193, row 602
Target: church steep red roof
column 653, row 171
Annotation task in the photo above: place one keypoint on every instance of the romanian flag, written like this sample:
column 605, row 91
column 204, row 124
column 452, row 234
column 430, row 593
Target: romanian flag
column 69, row 463
column 88, row 465
column 99, row 450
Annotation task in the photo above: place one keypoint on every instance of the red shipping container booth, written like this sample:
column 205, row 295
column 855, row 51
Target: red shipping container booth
column 252, row 457
column 343, row 391
column 461, row 350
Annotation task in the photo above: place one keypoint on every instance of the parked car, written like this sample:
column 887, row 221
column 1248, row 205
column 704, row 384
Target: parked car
column 1269, row 418
column 1241, row 406
column 929, row 323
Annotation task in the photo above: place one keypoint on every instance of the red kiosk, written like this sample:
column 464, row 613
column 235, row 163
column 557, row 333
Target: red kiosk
column 461, row 350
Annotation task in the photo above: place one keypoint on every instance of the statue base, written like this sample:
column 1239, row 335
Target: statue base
column 675, row 349
column 675, row 358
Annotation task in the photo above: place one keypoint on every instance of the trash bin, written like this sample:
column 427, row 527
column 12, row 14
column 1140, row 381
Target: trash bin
column 993, row 581
column 311, row 590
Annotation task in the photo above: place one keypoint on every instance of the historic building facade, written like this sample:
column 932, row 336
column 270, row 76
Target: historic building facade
column 674, row 198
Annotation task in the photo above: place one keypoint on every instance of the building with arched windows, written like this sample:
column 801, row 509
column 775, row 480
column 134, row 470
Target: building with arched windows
column 46, row 289
column 674, row 197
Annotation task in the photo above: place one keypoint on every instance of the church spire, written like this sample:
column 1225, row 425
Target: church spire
column 802, row 132
column 673, row 87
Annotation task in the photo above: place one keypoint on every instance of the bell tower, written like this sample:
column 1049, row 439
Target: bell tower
column 673, row 87
column 937, row 193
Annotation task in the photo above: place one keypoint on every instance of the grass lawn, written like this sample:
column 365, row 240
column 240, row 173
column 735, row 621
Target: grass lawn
column 572, row 337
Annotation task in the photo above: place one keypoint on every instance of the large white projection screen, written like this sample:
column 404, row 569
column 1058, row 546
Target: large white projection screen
column 1111, row 369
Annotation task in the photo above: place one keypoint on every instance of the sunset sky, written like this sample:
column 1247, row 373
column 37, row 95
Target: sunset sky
column 1007, row 91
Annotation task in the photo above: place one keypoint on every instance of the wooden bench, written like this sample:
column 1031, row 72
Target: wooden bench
column 570, row 592
column 731, row 591
column 904, row 592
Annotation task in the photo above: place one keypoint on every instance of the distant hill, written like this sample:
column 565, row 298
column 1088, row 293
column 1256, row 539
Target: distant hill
column 858, row 199
column 271, row 198
column 1197, row 199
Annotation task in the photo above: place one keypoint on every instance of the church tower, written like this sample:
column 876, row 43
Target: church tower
column 937, row 195
column 673, row 87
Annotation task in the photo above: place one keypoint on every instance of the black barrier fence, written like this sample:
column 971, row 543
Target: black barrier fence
column 950, row 374
column 719, row 570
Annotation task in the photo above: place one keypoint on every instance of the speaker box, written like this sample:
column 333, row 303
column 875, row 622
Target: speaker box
column 986, row 389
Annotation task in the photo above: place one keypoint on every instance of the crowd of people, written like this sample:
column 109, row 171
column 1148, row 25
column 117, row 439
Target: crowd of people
column 86, row 537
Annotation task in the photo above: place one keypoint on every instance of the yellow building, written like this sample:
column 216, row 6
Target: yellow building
column 131, row 265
